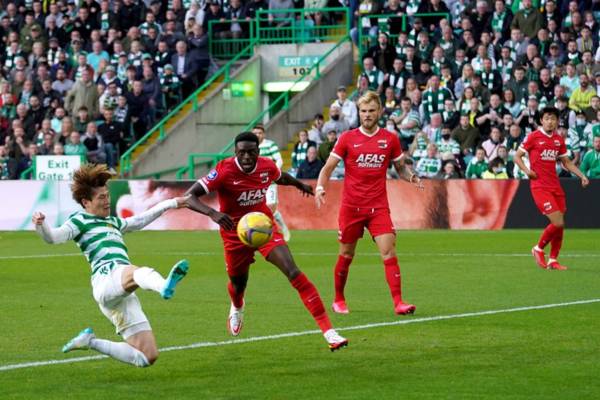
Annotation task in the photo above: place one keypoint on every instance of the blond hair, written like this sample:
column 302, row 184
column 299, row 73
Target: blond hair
column 87, row 178
column 369, row 97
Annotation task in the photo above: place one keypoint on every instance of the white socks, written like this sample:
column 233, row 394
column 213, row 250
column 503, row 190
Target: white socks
column 120, row 351
column 149, row 279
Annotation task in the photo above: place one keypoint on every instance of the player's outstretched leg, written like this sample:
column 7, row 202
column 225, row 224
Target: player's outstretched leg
column 284, row 229
column 340, row 276
column 86, row 339
column 177, row 273
column 538, row 250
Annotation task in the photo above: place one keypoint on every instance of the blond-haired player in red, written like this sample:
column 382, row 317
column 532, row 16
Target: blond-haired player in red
column 367, row 152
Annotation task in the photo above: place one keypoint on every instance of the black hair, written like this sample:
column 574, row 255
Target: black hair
column 246, row 137
column 550, row 110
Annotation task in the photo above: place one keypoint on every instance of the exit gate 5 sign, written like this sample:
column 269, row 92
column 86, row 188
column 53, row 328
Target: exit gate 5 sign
column 296, row 66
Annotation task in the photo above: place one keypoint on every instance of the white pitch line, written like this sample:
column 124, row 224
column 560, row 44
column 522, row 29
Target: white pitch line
column 299, row 253
column 10, row 367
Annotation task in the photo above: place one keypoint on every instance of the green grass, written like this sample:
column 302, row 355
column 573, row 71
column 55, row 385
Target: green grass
column 536, row 354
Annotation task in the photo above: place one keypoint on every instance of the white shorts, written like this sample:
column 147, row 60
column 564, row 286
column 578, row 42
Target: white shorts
column 122, row 308
column 272, row 195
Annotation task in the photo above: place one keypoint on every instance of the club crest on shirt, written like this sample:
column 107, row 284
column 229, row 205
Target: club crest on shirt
column 212, row 175
column 382, row 144
column 556, row 143
column 264, row 177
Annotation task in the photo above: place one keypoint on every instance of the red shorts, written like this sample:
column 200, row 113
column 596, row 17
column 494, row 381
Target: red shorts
column 549, row 201
column 353, row 221
column 238, row 256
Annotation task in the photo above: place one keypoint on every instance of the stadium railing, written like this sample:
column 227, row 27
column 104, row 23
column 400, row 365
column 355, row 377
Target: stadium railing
column 383, row 23
column 224, row 72
column 281, row 103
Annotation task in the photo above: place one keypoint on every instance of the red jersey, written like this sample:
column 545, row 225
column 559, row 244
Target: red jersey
column 240, row 192
column 366, row 160
column 544, row 151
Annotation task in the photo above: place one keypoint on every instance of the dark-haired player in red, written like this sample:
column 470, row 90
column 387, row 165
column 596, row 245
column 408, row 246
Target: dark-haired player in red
column 367, row 153
column 241, row 183
column 545, row 147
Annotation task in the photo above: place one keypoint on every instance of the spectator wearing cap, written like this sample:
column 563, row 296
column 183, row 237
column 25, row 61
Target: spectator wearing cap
column 337, row 120
column 108, row 76
column 582, row 95
column 348, row 107
column 83, row 93
column 170, row 86
column 383, row 54
column 186, row 68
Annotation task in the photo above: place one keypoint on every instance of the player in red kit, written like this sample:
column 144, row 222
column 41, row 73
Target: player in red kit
column 545, row 147
column 367, row 152
column 241, row 183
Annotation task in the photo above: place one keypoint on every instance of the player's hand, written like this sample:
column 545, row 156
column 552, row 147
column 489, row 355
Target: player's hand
column 223, row 220
column 182, row 201
column 306, row 190
column 320, row 197
column 38, row 218
column 585, row 181
column 417, row 182
column 531, row 174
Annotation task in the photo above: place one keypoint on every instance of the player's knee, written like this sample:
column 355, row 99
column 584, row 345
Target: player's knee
column 292, row 271
column 347, row 252
column 151, row 356
column 388, row 253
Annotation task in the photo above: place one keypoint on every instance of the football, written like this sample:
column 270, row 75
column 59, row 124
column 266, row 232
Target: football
column 255, row 229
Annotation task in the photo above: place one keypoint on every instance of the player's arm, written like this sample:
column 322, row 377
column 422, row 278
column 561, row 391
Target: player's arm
column 324, row 177
column 518, row 159
column 194, row 203
column 287, row 180
column 406, row 172
column 138, row 222
column 53, row 235
column 570, row 165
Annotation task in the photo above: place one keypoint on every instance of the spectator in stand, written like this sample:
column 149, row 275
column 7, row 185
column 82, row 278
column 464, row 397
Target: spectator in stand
column 74, row 147
column 467, row 136
column 139, row 108
column 8, row 165
column 170, row 86
column 374, row 75
column 477, row 166
column 581, row 97
column 45, row 148
column 80, row 122
column 383, row 54
column 198, row 47
column 300, row 149
column 448, row 148
column 347, row 107
column 186, row 68
column 496, row 170
column 315, row 133
column 94, row 144
column 27, row 158
column 83, row 93
column 491, row 145
column 590, row 165
column 311, row 166
column 430, row 165
column 326, row 147
column 450, row 170
column 337, row 120
column 112, row 135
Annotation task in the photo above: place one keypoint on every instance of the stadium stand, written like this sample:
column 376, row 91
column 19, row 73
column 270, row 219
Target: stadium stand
column 462, row 69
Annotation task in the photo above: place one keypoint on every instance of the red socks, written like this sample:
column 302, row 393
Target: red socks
column 556, row 243
column 548, row 234
column 236, row 298
column 392, row 276
column 340, row 276
column 312, row 301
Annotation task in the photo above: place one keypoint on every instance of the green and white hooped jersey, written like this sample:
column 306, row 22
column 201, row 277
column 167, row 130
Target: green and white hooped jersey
column 269, row 149
column 100, row 239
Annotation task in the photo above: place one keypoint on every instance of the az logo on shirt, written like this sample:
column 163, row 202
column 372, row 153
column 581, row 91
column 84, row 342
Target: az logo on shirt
column 549, row 155
column 370, row 160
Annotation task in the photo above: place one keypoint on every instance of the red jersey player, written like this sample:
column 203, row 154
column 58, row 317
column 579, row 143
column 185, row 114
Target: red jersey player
column 242, row 183
column 367, row 152
column 545, row 147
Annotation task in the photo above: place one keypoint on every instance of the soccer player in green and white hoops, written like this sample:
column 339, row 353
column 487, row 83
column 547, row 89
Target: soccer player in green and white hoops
column 114, row 279
column 269, row 149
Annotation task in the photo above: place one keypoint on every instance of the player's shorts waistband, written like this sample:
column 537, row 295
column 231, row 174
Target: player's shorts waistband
column 106, row 267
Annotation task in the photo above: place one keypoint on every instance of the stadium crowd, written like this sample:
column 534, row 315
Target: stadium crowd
column 461, row 89
column 464, row 88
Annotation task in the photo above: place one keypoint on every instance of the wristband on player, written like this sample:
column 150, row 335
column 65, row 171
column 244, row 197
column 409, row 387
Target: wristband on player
column 411, row 177
column 319, row 189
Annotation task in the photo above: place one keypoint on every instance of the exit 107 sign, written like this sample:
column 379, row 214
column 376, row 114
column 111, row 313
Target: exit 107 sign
column 295, row 66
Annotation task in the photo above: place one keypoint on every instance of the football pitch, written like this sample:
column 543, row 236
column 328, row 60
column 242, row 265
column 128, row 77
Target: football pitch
column 489, row 322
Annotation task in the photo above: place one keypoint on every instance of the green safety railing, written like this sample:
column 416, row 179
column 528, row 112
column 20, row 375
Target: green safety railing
column 280, row 103
column 383, row 22
column 224, row 72
column 229, row 47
